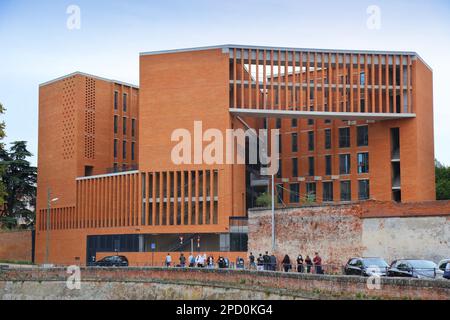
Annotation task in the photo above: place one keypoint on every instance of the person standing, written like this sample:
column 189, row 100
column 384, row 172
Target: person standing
column 300, row 263
column 182, row 260
column 251, row 259
column 266, row 258
column 168, row 260
column 191, row 261
column 273, row 262
column 308, row 263
column 260, row 263
column 286, row 263
column 318, row 263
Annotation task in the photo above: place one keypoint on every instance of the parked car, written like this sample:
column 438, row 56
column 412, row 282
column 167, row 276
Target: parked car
column 112, row 261
column 366, row 267
column 441, row 268
column 413, row 268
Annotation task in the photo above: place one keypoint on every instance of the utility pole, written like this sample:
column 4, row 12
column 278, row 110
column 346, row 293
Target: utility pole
column 273, row 214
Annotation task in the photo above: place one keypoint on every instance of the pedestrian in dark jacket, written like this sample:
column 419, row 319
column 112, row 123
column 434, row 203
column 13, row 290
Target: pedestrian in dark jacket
column 182, row 260
column 308, row 263
column 300, row 263
column 266, row 258
column 286, row 263
column 273, row 262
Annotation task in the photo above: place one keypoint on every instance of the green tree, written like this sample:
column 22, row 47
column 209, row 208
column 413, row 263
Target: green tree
column 19, row 178
column 2, row 168
column 442, row 181
column 264, row 200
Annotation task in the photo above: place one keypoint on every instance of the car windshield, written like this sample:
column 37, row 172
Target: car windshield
column 378, row 262
column 422, row 264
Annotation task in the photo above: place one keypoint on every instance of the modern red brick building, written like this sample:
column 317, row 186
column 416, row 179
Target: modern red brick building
column 355, row 125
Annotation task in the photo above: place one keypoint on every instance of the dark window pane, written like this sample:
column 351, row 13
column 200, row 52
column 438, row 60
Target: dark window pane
column 295, row 167
column 344, row 137
column 294, row 194
column 362, row 136
column 328, row 139
column 364, row 191
column 346, row 194
column 311, row 166
column 328, row 166
column 116, row 100
column 311, row 140
column 328, row 191
column 311, row 191
column 344, row 164
column 125, row 102
column 294, row 142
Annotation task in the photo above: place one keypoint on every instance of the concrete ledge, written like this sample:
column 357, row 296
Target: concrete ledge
column 291, row 285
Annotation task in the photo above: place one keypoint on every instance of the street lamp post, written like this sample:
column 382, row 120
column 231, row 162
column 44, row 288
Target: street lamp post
column 47, row 240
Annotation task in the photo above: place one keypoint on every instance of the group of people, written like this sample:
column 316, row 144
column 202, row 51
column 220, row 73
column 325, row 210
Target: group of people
column 268, row 262
column 264, row 262
column 201, row 261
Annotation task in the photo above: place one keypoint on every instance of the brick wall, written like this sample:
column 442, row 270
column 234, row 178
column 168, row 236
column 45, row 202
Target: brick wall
column 134, row 283
column 15, row 246
column 385, row 229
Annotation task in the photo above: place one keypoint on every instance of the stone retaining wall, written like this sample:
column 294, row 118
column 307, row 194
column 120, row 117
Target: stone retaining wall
column 160, row 283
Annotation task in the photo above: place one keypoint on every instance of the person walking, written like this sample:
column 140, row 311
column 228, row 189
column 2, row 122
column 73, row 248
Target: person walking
column 300, row 264
column 168, row 261
column 251, row 259
column 308, row 263
column 182, row 260
column 318, row 263
column 286, row 263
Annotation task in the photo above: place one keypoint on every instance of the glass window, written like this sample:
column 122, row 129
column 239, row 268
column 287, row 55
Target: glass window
column 115, row 148
column 328, row 165
column 311, row 166
column 124, row 126
column 116, row 100
column 295, row 167
column 133, row 146
column 346, row 192
column 344, row 137
column 363, row 162
column 344, row 164
column 363, row 105
column 278, row 123
column 364, row 190
column 327, row 138
column 311, row 191
column 328, row 191
column 362, row 136
column 362, row 78
column 311, row 140
column 116, row 124
column 124, row 150
column 280, row 193
column 294, row 142
column 125, row 102
column 294, row 194
column 133, row 127
column 294, row 123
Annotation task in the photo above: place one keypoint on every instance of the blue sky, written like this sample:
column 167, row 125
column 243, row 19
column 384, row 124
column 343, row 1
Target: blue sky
column 36, row 45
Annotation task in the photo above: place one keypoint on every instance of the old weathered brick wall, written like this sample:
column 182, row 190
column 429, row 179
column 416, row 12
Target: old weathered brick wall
column 382, row 229
column 15, row 246
column 334, row 231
